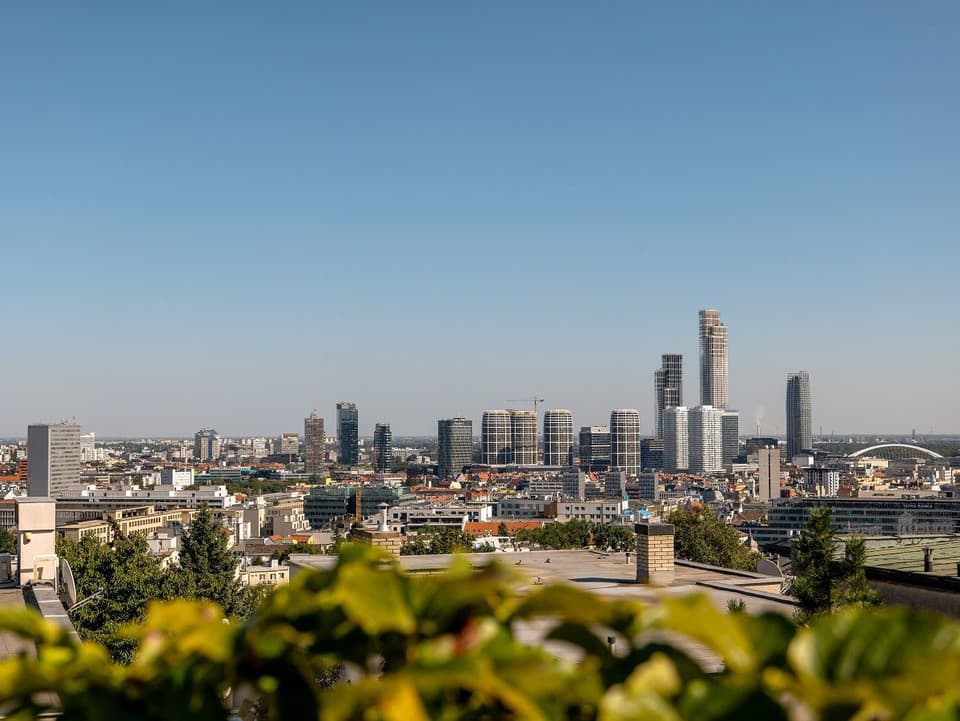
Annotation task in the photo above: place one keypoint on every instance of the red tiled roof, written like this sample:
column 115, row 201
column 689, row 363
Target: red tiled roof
column 491, row 528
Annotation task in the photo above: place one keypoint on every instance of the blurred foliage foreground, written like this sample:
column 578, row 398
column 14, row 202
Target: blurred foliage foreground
column 448, row 646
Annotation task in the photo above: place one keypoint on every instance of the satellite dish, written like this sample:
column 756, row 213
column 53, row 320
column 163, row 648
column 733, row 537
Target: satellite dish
column 69, row 583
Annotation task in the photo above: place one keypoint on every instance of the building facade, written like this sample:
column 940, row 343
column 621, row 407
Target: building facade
column 676, row 439
column 625, row 441
column 713, row 360
column 454, row 446
column 206, row 445
column 594, row 448
column 705, row 425
column 382, row 447
column 821, row 481
column 53, row 458
column 768, row 476
column 730, row 446
column 314, row 440
column 523, row 437
column 348, row 433
column 496, row 447
column 667, row 386
column 558, row 444
column 799, row 414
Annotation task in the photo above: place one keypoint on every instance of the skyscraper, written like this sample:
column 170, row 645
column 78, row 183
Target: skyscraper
column 676, row 439
column 706, row 439
column 713, row 360
column 594, row 448
column 625, row 441
column 523, row 437
column 768, row 483
column 53, row 458
column 382, row 447
column 557, row 437
column 314, row 439
column 799, row 414
column 454, row 446
column 668, row 386
column 348, row 433
column 496, row 448
column 730, row 447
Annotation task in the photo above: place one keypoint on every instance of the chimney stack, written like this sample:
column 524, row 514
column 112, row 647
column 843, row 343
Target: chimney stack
column 655, row 553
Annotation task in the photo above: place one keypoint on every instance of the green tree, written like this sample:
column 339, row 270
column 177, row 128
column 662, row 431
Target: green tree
column 126, row 578
column 822, row 582
column 702, row 537
column 432, row 540
column 208, row 566
column 502, row 529
column 8, row 541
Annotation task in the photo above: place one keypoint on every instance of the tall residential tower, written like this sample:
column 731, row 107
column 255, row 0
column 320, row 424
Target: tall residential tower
column 625, row 441
column 558, row 444
column 496, row 448
column 382, row 447
column 53, row 458
column 713, row 360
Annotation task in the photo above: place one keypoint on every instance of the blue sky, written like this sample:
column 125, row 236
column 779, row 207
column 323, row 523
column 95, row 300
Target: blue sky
column 231, row 214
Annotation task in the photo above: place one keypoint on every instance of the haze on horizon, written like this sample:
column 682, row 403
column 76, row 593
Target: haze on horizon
column 230, row 215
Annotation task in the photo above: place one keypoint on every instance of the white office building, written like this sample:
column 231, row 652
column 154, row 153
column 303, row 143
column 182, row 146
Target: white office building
column 53, row 458
column 676, row 453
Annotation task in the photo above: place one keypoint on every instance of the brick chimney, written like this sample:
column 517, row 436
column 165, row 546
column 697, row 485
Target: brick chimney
column 655, row 553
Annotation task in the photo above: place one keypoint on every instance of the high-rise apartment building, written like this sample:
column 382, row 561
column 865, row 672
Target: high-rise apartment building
column 53, row 458
column 314, row 440
column 676, row 439
column 382, row 447
column 558, row 446
column 705, row 425
column 206, row 445
column 713, row 360
column 821, row 481
column 496, row 448
column 730, row 445
column 523, row 437
column 348, row 433
column 594, row 450
column 668, row 386
column 768, row 481
column 454, row 446
column 799, row 415
column 625, row 441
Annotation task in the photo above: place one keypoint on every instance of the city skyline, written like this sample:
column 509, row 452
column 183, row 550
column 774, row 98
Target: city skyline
column 369, row 188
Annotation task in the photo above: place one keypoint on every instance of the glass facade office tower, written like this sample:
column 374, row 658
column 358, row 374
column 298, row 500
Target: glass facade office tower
column 53, row 459
column 668, row 386
column 799, row 414
column 594, row 449
column 348, row 433
column 713, row 360
column 523, row 437
column 676, row 439
column 705, row 425
column 557, row 437
column 625, row 441
column 496, row 448
column 730, row 422
column 314, row 438
column 382, row 447
column 454, row 446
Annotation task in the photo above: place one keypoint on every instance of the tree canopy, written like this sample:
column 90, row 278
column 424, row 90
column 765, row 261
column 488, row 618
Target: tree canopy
column 702, row 537
column 822, row 581
column 580, row 534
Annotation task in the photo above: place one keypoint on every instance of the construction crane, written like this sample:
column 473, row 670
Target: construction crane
column 536, row 403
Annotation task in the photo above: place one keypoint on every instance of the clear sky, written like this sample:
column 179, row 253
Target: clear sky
column 228, row 214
